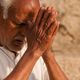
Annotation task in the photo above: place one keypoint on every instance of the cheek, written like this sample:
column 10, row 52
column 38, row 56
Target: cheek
column 4, row 38
column 10, row 33
column 8, row 37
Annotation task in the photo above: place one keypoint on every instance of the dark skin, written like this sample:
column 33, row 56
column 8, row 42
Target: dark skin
column 12, row 27
column 27, row 22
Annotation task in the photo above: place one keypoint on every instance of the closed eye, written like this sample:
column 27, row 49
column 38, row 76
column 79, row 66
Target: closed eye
column 22, row 24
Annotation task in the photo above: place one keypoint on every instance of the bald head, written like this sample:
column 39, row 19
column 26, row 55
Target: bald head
column 17, row 4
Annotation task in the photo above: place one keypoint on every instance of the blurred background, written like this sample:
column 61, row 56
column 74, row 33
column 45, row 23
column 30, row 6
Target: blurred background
column 66, row 45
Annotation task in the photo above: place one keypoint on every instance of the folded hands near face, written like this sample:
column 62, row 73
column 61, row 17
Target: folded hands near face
column 39, row 24
column 41, row 33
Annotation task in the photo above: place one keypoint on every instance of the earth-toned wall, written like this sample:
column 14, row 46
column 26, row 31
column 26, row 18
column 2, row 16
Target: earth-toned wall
column 66, row 45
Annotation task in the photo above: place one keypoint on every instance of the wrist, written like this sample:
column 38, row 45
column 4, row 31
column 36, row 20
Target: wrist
column 35, row 52
column 48, row 55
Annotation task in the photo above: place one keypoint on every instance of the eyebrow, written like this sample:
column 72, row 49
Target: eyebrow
column 29, row 17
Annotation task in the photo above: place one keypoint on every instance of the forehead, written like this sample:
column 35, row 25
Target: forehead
column 24, row 10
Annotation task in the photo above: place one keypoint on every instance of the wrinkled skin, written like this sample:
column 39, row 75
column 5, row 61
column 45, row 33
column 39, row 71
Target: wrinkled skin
column 12, row 31
column 28, row 25
column 43, row 30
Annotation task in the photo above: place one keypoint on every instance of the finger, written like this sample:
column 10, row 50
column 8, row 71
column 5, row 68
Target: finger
column 51, row 29
column 48, row 33
column 39, row 16
column 44, row 19
column 56, row 29
column 51, row 32
column 50, row 19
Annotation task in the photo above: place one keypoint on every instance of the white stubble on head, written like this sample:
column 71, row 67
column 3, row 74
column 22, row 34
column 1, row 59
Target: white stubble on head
column 5, row 5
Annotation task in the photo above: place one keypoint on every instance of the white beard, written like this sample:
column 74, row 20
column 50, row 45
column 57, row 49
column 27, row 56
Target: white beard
column 5, row 5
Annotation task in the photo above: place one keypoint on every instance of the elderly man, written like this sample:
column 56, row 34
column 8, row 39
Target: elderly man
column 22, row 23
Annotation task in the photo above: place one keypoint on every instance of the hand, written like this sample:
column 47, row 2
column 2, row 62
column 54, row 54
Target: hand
column 41, row 32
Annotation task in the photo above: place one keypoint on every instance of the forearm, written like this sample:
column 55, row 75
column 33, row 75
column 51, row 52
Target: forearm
column 55, row 73
column 24, row 67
